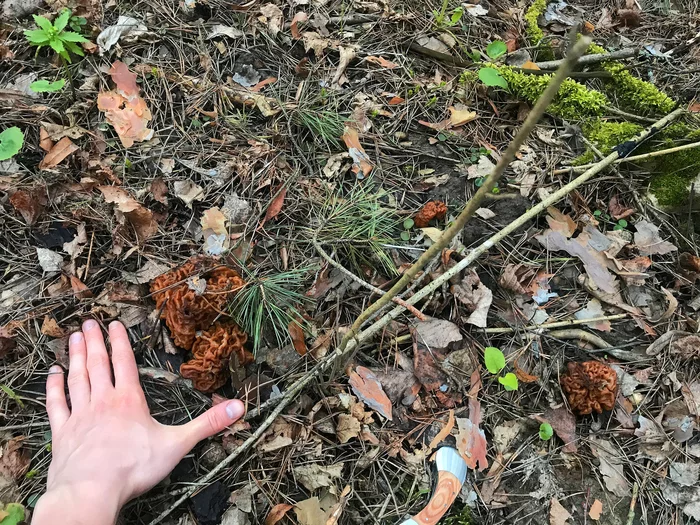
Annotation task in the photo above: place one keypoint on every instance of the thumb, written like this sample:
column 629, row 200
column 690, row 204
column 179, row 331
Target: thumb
column 213, row 421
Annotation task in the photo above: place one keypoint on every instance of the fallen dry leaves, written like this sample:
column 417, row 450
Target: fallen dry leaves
column 130, row 210
column 471, row 440
column 58, row 152
column 124, row 108
column 367, row 387
column 361, row 166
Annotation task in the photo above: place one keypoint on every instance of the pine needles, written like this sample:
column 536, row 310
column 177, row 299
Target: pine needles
column 326, row 126
column 268, row 304
column 358, row 226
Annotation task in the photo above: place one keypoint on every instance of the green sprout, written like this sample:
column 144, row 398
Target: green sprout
column 495, row 362
column 44, row 86
column 55, row 36
column 406, row 233
column 546, row 432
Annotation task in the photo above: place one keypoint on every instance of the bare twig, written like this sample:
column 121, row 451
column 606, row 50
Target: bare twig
column 580, row 335
column 558, row 324
column 475, row 202
column 633, row 503
column 591, row 59
column 584, row 167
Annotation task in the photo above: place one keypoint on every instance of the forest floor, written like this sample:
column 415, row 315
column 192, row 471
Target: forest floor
column 317, row 148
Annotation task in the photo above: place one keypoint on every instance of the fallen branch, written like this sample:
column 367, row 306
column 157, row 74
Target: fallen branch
column 591, row 59
column 584, row 167
column 475, row 202
column 415, row 311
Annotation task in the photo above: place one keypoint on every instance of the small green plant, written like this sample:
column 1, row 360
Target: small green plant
column 546, row 431
column 269, row 303
column 492, row 78
column 441, row 19
column 495, row 362
column 604, row 217
column 11, row 140
column 55, row 36
column 406, row 233
column 496, row 49
column 14, row 513
column 77, row 23
column 44, row 86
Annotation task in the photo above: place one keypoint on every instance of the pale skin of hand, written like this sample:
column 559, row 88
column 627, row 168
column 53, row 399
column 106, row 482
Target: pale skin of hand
column 107, row 449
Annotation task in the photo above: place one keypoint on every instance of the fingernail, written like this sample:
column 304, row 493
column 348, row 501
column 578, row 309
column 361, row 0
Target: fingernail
column 235, row 409
column 90, row 324
column 76, row 337
column 55, row 369
column 114, row 324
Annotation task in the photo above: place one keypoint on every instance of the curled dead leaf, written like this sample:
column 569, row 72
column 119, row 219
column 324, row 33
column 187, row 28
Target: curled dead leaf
column 60, row 151
column 367, row 387
column 294, row 27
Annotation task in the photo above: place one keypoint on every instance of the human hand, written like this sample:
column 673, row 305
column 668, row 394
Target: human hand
column 108, row 449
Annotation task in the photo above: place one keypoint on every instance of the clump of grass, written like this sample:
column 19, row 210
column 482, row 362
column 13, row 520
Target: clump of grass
column 326, row 127
column 269, row 303
column 358, row 225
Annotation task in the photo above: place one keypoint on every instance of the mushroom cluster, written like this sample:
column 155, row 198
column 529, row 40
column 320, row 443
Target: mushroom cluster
column 431, row 210
column 211, row 354
column 590, row 387
column 190, row 298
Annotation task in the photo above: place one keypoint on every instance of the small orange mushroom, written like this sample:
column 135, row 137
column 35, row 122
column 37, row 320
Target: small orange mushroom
column 431, row 210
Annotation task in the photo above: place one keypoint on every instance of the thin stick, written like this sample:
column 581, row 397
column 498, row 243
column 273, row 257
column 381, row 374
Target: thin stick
column 633, row 503
column 580, row 335
column 558, row 324
column 584, row 167
column 591, row 59
column 415, row 311
column 475, row 202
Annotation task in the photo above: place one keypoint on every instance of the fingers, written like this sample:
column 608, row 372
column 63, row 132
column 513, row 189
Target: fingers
column 126, row 374
column 56, row 404
column 213, row 421
column 78, row 380
column 97, row 360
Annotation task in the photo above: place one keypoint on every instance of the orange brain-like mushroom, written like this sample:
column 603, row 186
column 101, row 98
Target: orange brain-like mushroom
column 431, row 210
column 211, row 351
column 590, row 387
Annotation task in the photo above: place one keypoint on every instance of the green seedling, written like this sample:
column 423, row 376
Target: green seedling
column 13, row 514
column 407, row 225
column 44, row 86
column 496, row 49
column 55, row 36
column 11, row 140
column 495, row 362
column 546, row 431
column 619, row 225
column 441, row 19
column 492, row 78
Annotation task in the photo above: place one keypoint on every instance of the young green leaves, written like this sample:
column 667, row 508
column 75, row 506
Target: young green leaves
column 492, row 78
column 11, row 141
column 496, row 49
column 495, row 361
column 55, row 35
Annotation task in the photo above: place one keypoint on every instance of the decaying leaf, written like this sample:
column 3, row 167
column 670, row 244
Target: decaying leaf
column 216, row 237
column 648, row 240
column 381, row 61
column 475, row 296
column 277, row 513
column 124, row 108
column 517, row 278
column 296, row 332
column 61, row 150
column 276, row 205
column 188, row 192
column 294, row 27
column 315, row 476
column 347, row 53
column 460, row 115
column 611, row 466
column 596, row 510
column 558, row 515
column 348, row 427
column 272, row 16
column 50, row 327
column 367, row 387
column 28, row 204
column 310, row 512
column 361, row 166
column 594, row 310
column 471, row 440
column 437, row 333
column 49, row 261
column 138, row 216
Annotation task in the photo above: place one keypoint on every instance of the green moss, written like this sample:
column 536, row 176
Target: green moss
column 605, row 136
column 533, row 30
column 573, row 102
column 632, row 92
column 670, row 189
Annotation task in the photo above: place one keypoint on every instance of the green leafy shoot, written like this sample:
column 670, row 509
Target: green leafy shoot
column 55, row 36
column 11, row 141
column 456, row 16
column 494, row 359
column 509, row 381
column 496, row 49
column 12, row 395
column 358, row 225
column 492, row 78
column 44, row 86
column 621, row 225
column 268, row 303
column 546, row 431
column 13, row 513
column 441, row 19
